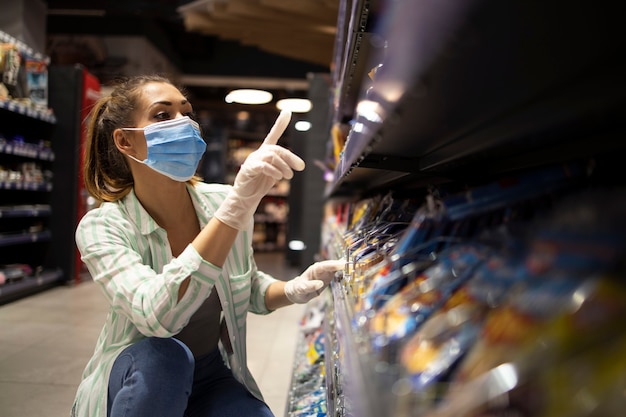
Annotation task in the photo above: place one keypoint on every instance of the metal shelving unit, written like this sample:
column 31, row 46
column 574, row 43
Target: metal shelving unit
column 27, row 159
column 464, row 93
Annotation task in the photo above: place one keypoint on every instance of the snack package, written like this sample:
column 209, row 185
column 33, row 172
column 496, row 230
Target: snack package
column 567, row 253
column 339, row 134
column 315, row 353
column 37, row 83
column 310, row 358
column 310, row 404
column 412, row 252
column 570, row 365
column 431, row 353
column 405, row 311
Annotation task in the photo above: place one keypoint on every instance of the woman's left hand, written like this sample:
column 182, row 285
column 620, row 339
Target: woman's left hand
column 312, row 281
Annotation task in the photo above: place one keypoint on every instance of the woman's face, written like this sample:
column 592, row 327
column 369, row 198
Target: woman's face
column 157, row 102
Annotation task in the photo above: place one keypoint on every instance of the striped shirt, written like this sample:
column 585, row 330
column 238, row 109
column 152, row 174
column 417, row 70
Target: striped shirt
column 128, row 255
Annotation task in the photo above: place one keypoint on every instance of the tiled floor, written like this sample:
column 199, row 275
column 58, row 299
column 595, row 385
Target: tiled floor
column 46, row 340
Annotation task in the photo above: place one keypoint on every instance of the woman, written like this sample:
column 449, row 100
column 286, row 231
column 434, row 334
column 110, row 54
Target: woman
column 173, row 257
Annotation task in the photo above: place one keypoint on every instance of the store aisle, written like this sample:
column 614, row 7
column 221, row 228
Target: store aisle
column 46, row 340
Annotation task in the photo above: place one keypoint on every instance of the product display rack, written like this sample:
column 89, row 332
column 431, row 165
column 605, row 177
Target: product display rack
column 26, row 185
column 28, row 111
column 499, row 107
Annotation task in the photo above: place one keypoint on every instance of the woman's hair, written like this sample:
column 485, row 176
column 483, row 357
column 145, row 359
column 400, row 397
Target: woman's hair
column 106, row 172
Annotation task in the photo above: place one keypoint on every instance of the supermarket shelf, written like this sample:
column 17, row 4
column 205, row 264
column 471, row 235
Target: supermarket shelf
column 454, row 108
column 37, row 210
column 23, row 47
column 352, row 59
column 16, row 107
column 27, row 219
column 27, row 150
column 333, row 388
column 359, row 377
column 19, row 238
column 14, row 290
column 26, row 186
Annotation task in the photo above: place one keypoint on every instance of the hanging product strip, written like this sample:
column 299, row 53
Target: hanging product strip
column 467, row 303
column 308, row 393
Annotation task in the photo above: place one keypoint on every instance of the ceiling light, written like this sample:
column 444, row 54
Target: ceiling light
column 296, row 245
column 302, row 125
column 249, row 96
column 296, row 105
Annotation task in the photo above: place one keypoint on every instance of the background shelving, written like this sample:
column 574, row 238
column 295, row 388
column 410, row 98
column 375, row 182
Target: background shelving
column 39, row 170
column 26, row 186
column 26, row 110
column 270, row 227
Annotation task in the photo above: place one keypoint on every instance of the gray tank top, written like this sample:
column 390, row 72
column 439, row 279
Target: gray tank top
column 202, row 333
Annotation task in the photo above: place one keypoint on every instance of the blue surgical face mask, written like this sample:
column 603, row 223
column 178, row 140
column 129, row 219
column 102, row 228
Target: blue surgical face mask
column 175, row 147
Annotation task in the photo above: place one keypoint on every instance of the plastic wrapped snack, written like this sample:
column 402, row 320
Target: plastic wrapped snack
column 431, row 353
column 405, row 311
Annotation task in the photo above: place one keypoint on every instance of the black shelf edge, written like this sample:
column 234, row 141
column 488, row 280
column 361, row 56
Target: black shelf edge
column 23, row 238
column 443, row 124
column 31, row 152
column 25, row 211
column 25, row 186
column 343, row 21
column 353, row 58
column 27, row 111
column 357, row 68
column 23, row 47
column 30, row 285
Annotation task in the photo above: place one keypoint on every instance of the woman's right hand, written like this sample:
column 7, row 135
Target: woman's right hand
column 257, row 175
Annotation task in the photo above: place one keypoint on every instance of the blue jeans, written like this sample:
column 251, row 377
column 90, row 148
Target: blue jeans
column 159, row 377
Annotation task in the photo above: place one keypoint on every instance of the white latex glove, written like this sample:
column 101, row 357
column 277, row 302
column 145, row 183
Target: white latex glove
column 313, row 280
column 257, row 175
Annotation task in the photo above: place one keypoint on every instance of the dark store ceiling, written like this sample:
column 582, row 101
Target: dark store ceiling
column 275, row 40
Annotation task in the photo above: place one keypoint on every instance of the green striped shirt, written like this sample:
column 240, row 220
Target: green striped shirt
column 128, row 255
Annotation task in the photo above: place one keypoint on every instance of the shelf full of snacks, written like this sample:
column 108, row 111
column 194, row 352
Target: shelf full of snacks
column 476, row 199
column 307, row 395
column 26, row 171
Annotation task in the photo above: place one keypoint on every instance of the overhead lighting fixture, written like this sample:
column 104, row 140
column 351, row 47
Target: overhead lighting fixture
column 302, row 125
column 296, row 245
column 296, row 105
column 249, row 96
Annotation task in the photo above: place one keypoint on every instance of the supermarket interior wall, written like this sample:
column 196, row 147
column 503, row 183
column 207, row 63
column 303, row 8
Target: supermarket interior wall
column 25, row 20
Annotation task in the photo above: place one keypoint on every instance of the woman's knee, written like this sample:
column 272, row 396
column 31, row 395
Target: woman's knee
column 162, row 358
column 152, row 374
column 171, row 352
